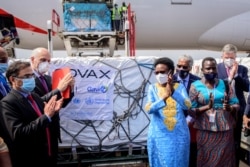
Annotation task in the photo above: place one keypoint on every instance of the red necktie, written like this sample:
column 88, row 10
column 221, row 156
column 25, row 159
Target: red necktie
column 44, row 83
column 38, row 112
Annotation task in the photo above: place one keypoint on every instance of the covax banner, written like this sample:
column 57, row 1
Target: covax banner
column 93, row 93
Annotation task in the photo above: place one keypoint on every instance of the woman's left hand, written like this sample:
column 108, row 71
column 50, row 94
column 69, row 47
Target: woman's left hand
column 226, row 105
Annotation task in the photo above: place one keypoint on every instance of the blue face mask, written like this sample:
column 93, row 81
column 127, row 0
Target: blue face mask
column 3, row 67
column 28, row 84
column 210, row 76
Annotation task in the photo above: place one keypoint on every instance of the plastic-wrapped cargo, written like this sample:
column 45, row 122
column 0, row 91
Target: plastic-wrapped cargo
column 84, row 125
column 86, row 17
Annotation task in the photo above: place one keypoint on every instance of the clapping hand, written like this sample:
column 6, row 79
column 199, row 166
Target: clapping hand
column 52, row 106
column 211, row 101
column 234, row 69
column 226, row 105
column 169, row 85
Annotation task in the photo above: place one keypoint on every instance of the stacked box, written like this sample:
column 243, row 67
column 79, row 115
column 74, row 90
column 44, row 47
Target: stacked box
column 86, row 17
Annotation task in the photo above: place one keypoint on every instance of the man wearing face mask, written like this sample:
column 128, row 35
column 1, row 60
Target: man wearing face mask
column 237, row 76
column 40, row 62
column 183, row 75
column 30, row 124
column 4, row 90
column 4, row 87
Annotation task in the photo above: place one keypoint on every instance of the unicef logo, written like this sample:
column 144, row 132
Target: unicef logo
column 76, row 100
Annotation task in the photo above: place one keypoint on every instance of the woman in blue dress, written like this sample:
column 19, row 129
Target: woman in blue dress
column 168, row 135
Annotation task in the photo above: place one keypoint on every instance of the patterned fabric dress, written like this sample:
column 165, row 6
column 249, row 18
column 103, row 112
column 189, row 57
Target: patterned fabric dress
column 168, row 136
column 215, row 141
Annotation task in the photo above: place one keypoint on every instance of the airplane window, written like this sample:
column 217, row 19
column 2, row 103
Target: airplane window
column 188, row 2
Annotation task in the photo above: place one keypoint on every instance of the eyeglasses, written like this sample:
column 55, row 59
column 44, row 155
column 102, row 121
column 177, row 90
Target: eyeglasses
column 26, row 76
column 183, row 67
column 160, row 72
column 3, row 59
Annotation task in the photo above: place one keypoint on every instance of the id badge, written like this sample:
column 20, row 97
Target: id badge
column 212, row 117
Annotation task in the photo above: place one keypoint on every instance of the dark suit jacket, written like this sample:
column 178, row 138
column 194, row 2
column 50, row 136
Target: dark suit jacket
column 46, row 96
column 25, row 132
column 241, row 83
column 192, row 78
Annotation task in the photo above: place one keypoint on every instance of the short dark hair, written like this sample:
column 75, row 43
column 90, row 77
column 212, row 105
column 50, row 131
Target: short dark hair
column 14, row 69
column 165, row 60
column 207, row 59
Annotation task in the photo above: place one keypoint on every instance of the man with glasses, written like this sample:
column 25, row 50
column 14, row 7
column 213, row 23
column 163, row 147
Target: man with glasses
column 237, row 76
column 183, row 75
column 30, row 125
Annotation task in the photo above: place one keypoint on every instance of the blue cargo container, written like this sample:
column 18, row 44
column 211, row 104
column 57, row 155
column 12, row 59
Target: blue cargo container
column 86, row 17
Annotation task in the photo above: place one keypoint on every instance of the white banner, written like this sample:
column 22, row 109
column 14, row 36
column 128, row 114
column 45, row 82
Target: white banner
column 93, row 94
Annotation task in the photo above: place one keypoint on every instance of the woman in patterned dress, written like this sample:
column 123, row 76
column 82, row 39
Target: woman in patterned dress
column 168, row 135
column 213, row 106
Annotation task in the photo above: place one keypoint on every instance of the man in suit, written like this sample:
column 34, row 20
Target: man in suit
column 4, row 89
column 184, row 76
column 237, row 76
column 40, row 62
column 29, row 124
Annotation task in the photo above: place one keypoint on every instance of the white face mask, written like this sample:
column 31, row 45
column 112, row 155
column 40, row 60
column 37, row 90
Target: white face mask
column 229, row 62
column 43, row 67
column 162, row 78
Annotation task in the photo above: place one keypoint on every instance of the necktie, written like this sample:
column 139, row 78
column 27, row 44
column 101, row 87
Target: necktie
column 44, row 83
column 38, row 112
column 183, row 82
column 228, row 71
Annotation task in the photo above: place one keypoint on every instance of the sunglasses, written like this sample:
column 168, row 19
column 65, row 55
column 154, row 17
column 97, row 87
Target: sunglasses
column 183, row 67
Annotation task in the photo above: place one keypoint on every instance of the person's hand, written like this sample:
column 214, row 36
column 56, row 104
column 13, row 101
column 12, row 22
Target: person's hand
column 226, row 105
column 49, row 108
column 66, row 81
column 72, row 83
column 211, row 101
column 234, row 69
column 169, row 85
column 59, row 104
column 246, row 122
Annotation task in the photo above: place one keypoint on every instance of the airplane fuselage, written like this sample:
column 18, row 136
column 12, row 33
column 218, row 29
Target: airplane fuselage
column 160, row 24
